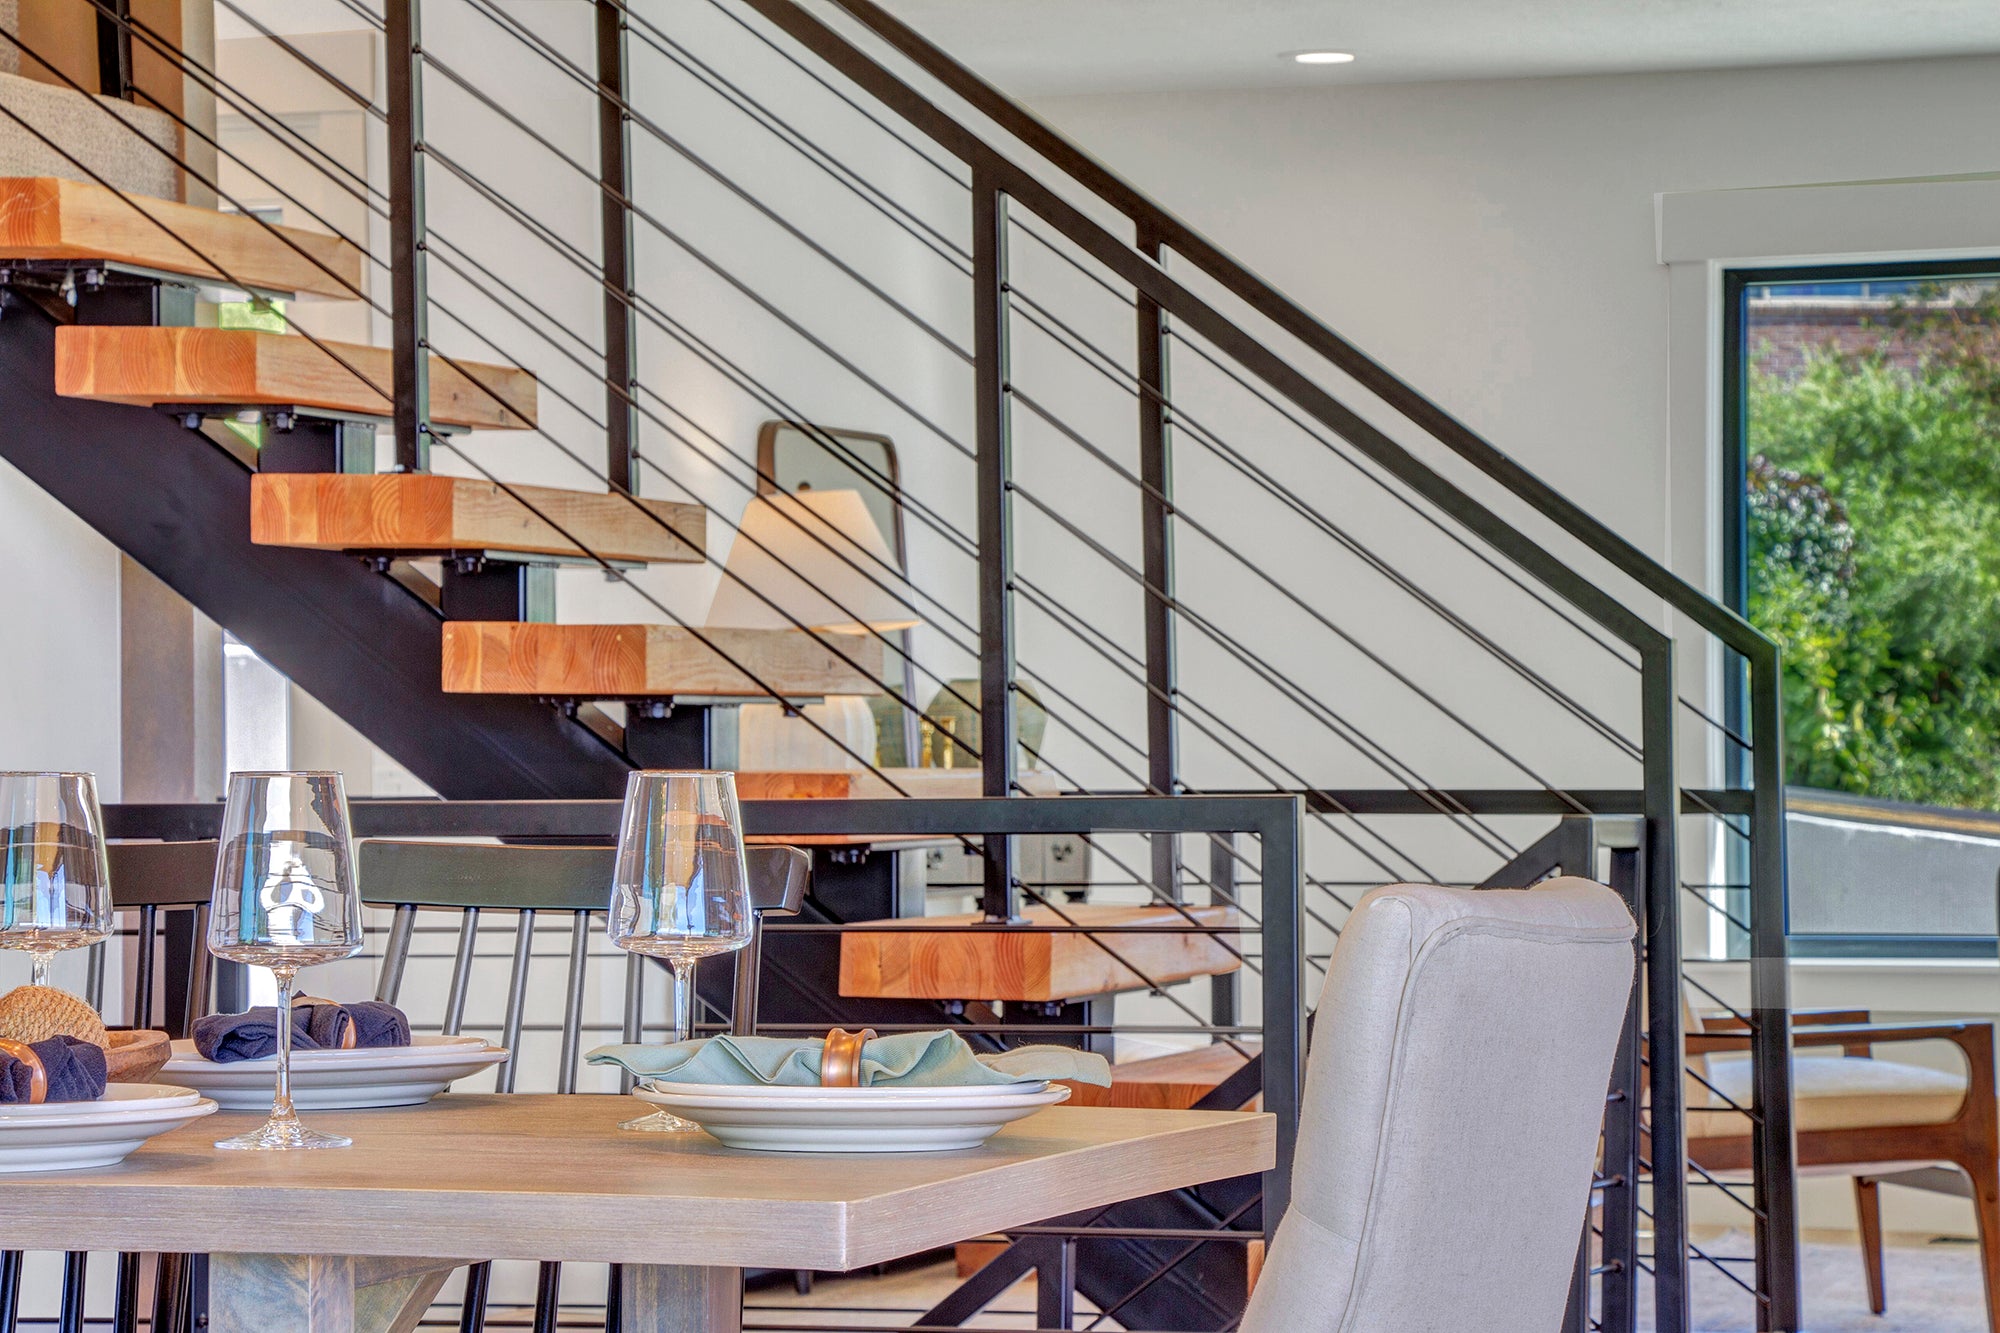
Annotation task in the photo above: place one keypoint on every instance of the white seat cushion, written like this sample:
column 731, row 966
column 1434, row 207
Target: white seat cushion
column 1834, row 1092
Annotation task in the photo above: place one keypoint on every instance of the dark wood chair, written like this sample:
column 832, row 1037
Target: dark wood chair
column 165, row 886
column 479, row 882
column 1865, row 1116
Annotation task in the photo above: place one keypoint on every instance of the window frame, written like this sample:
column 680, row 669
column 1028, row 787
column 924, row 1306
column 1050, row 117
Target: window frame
column 1735, row 514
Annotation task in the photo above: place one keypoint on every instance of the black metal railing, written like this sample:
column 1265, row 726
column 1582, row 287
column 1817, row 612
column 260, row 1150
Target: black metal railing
column 1064, row 548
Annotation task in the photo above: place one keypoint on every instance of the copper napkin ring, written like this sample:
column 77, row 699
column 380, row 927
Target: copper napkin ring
column 38, row 1074
column 349, row 1035
column 840, row 1061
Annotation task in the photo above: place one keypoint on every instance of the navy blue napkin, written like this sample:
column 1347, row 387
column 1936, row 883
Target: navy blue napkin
column 75, row 1068
column 316, row 1026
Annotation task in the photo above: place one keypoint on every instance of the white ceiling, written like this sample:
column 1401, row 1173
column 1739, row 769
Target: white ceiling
column 1039, row 47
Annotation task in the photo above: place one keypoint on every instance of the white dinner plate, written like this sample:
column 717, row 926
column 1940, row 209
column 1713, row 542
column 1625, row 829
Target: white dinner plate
column 1026, row 1087
column 340, row 1080
column 851, row 1120
column 74, row 1136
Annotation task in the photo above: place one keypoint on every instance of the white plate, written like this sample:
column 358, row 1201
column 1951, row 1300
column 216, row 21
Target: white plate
column 74, row 1136
column 1026, row 1087
column 839, row 1120
column 340, row 1080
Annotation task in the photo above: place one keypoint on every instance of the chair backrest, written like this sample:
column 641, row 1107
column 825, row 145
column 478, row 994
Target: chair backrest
column 1461, row 1057
column 476, row 878
column 150, row 878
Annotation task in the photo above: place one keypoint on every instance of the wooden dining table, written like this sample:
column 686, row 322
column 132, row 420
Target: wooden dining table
column 359, row 1240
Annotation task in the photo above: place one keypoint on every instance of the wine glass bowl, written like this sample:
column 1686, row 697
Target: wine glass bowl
column 285, row 898
column 55, row 884
column 680, row 890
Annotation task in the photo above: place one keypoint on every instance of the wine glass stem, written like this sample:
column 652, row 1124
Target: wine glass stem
column 39, row 966
column 683, row 998
column 281, row 1103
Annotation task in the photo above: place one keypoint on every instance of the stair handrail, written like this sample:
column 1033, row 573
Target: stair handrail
column 1160, row 225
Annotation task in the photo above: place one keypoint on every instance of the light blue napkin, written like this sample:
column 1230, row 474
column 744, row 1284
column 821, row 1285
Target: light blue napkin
column 904, row 1060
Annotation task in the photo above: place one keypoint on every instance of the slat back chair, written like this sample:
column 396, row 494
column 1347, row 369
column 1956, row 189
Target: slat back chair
column 479, row 880
column 151, row 879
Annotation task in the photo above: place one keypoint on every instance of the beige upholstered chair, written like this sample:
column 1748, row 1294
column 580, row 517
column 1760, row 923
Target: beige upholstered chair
column 1461, row 1057
column 1862, row 1116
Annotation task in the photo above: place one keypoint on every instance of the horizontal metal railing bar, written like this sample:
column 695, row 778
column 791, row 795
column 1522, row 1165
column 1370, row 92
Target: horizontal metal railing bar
column 1107, row 813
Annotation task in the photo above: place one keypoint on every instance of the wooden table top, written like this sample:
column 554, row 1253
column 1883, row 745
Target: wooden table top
column 551, row 1177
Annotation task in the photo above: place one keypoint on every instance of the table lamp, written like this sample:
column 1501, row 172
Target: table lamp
column 821, row 560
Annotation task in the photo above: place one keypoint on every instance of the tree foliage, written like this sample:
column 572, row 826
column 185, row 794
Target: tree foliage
column 1874, row 498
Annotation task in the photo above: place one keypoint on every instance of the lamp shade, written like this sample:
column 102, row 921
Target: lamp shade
column 846, row 580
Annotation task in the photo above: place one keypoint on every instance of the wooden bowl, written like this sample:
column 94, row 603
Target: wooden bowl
column 134, row 1056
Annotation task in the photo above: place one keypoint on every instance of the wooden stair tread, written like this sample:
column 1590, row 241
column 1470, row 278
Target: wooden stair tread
column 1165, row 1082
column 43, row 217
column 408, row 512
column 858, row 784
column 648, row 661
column 147, row 366
column 927, row 958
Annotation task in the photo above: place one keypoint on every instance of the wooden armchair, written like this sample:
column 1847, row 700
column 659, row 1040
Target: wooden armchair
column 1862, row 1116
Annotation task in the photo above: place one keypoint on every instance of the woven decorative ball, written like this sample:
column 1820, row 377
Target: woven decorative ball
column 36, row 1013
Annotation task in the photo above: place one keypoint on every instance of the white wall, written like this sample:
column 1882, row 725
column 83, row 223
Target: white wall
column 1494, row 242
column 58, row 638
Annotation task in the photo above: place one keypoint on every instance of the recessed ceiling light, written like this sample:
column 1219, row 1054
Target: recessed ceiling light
column 1323, row 57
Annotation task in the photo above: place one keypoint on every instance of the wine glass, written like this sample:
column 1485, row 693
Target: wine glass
column 679, row 890
column 285, row 898
column 55, row 887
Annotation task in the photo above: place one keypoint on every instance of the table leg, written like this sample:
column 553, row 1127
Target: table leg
column 655, row 1298
column 264, row 1293
column 257, row 1293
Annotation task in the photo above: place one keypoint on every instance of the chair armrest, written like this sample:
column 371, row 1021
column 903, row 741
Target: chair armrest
column 1856, row 1038
column 1800, row 1018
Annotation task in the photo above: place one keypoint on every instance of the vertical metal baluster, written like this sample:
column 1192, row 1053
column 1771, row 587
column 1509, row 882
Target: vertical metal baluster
column 1662, row 961
column 548, row 1297
column 1156, row 530
column 76, row 1272
column 1225, row 993
column 1773, row 1145
column 996, row 535
column 125, row 1297
column 114, row 48
column 614, row 146
column 396, row 952
column 10, row 1290
column 461, row 973
column 200, row 973
column 408, row 285
column 1619, row 1306
column 572, row 1028
column 478, row 1281
column 749, row 967
column 517, row 998
column 635, row 1009
column 1284, row 1014
column 93, row 980
column 142, row 980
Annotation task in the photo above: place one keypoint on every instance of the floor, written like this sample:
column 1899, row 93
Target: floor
column 1933, row 1287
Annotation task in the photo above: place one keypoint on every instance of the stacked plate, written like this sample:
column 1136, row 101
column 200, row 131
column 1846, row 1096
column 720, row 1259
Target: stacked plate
column 339, row 1080
column 870, row 1120
column 73, row 1136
